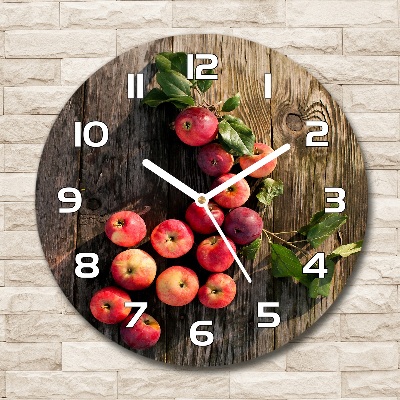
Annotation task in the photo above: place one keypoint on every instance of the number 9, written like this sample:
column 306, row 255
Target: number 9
column 77, row 200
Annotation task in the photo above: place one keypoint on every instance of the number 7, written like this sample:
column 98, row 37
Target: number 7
column 142, row 307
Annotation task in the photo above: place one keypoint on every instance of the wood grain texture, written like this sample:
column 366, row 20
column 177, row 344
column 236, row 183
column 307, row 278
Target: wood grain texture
column 111, row 178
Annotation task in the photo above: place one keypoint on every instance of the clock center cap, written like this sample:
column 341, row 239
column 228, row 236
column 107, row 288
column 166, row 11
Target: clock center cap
column 202, row 200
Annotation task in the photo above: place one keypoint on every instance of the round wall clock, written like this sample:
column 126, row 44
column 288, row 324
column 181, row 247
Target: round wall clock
column 221, row 180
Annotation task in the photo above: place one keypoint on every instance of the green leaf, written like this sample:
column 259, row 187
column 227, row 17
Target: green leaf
column 251, row 249
column 168, row 61
column 173, row 83
column 321, row 286
column 346, row 250
column 156, row 97
column 270, row 189
column 316, row 219
column 325, row 228
column 235, row 137
column 231, row 103
column 285, row 263
column 205, row 84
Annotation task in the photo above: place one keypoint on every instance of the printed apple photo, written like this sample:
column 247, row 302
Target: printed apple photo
column 202, row 222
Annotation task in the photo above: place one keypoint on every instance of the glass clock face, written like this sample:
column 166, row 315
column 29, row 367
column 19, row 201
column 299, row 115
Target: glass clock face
column 313, row 205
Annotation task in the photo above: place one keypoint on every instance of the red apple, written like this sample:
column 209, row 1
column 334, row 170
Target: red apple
column 172, row 238
column 200, row 222
column 196, row 126
column 214, row 160
column 143, row 335
column 125, row 228
column 218, row 291
column 213, row 254
column 260, row 151
column 243, row 225
column 133, row 269
column 108, row 305
column 235, row 196
column 177, row 286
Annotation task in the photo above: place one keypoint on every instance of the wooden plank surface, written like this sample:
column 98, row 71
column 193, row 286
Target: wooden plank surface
column 111, row 178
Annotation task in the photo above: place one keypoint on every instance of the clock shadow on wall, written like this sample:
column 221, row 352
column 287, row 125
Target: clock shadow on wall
column 111, row 178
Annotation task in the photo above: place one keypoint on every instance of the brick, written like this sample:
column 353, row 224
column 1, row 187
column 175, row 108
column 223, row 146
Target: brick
column 370, row 327
column 27, row 160
column 2, row 328
column 380, row 241
column 209, row 13
column 1, row 101
column 74, row 71
column 19, row 217
column 17, row 187
column 106, row 14
column 61, row 385
column 381, row 155
column 28, row 273
column 60, row 43
column 368, row 356
column 28, row 245
column 295, row 40
column 30, row 356
column 157, row 383
column 365, row 98
column 377, row 41
column 25, row 128
column 312, row 357
column 29, row 16
column 326, row 329
column 128, row 38
column 2, row 384
column 19, row 300
column 367, row 299
column 350, row 69
column 2, row 272
column 36, row 99
column 371, row 383
column 101, row 356
column 20, row 72
column 2, row 51
column 45, row 327
column 382, row 183
column 385, row 212
column 378, row 270
column 370, row 127
column 333, row 13
column 291, row 385
column 1, row 157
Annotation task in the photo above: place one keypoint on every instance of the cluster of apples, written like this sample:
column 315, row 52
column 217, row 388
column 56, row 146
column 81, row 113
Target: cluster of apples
column 135, row 269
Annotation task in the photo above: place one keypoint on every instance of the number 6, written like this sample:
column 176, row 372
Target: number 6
column 194, row 333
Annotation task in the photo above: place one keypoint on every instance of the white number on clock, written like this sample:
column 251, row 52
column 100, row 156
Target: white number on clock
column 341, row 194
column 194, row 333
column 139, row 86
column 142, row 307
column 86, row 134
column 91, row 264
column 77, row 200
column 323, row 132
column 202, row 67
column 321, row 270
column 276, row 319
column 267, row 86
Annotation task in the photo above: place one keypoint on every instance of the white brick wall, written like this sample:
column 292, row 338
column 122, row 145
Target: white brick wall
column 47, row 49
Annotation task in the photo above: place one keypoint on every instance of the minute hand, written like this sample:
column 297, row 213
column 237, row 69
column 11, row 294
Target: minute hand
column 247, row 171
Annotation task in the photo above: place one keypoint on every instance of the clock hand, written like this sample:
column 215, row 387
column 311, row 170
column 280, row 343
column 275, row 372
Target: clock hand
column 247, row 171
column 171, row 179
column 211, row 216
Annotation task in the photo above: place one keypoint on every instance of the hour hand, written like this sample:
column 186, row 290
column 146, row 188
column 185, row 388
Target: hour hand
column 170, row 179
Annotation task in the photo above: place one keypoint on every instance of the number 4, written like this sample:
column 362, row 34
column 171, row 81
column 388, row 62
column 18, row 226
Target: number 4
column 321, row 270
